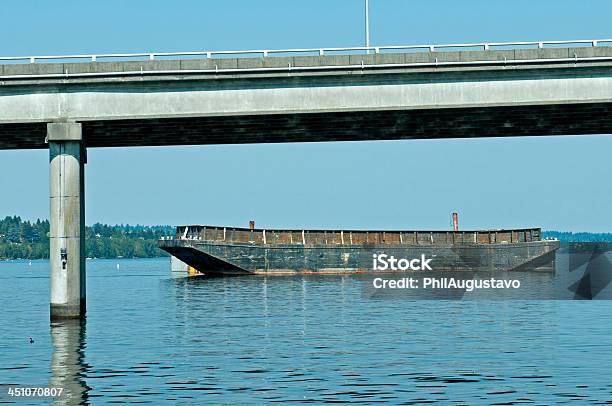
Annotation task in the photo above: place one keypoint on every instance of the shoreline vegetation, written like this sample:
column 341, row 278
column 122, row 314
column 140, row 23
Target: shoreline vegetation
column 24, row 239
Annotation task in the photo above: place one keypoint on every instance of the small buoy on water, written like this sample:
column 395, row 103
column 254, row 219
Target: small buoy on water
column 30, row 264
column 31, row 341
column 117, row 266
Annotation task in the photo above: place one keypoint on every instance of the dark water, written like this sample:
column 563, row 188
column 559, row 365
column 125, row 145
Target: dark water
column 254, row 340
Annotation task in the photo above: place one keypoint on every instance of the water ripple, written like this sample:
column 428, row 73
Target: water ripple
column 150, row 339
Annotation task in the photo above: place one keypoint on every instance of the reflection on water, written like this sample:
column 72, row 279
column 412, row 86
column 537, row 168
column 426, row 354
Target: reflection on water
column 68, row 367
column 305, row 339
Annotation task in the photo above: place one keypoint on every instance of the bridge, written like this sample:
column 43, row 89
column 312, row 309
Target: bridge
column 68, row 103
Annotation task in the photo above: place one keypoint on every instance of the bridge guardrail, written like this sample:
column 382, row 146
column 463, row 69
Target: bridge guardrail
column 303, row 51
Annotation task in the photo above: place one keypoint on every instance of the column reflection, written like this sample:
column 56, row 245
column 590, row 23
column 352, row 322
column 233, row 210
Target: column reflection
column 68, row 367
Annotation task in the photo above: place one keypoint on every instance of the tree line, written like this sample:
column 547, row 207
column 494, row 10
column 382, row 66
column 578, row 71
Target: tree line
column 30, row 240
column 568, row 236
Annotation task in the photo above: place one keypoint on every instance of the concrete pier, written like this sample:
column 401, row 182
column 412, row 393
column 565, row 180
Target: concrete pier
column 67, row 158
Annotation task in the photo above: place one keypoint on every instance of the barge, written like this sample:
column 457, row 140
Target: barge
column 214, row 250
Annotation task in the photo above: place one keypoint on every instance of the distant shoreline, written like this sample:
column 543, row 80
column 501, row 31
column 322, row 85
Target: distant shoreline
column 88, row 259
column 29, row 240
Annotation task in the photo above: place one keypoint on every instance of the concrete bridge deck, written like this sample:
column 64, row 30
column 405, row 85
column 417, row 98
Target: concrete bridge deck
column 510, row 92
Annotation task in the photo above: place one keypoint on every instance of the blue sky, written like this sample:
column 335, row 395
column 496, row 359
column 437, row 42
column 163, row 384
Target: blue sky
column 553, row 182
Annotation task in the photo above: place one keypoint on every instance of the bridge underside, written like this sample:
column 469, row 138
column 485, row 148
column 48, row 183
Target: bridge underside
column 507, row 121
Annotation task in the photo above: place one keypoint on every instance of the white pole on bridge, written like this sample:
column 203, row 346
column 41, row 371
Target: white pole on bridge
column 367, row 24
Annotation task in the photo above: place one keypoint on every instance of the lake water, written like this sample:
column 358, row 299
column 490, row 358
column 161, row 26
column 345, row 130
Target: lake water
column 310, row 339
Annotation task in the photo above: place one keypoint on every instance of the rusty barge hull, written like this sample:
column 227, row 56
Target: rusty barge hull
column 237, row 251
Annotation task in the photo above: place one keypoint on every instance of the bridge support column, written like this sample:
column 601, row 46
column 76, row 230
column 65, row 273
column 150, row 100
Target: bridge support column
column 67, row 157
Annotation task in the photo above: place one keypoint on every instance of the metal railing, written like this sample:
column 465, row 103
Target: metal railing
column 305, row 51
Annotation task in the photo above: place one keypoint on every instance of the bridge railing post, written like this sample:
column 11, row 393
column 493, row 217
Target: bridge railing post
column 67, row 157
